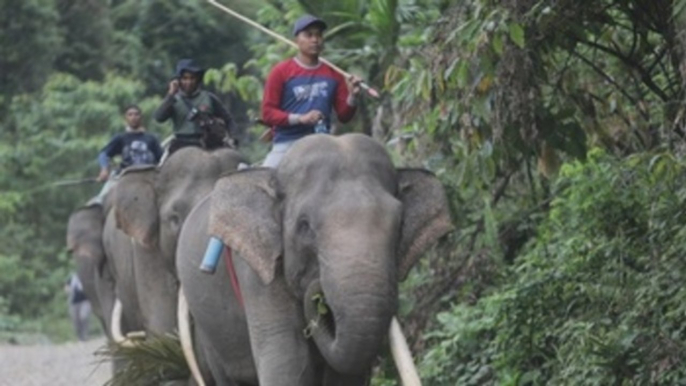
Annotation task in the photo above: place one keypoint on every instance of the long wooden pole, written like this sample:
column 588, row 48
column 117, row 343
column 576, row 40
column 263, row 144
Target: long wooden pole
column 371, row 91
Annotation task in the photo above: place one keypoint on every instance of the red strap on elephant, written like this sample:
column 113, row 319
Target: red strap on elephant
column 232, row 275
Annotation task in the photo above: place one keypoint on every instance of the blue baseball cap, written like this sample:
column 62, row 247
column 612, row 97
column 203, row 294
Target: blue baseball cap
column 306, row 21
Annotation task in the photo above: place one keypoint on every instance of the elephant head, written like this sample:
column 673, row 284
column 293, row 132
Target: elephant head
column 148, row 207
column 150, row 203
column 336, row 218
column 84, row 236
column 84, row 242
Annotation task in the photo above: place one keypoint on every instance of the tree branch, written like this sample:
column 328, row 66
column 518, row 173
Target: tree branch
column 605, row 76
column 645, row 77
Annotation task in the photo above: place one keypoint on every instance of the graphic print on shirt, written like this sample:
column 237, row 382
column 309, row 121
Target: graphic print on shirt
column 310, row 91
column 139, row 153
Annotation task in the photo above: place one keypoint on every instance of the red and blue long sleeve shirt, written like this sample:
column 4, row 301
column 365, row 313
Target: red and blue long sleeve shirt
column 293, row 89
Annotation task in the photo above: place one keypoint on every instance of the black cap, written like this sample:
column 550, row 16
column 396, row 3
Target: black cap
column 306, row 21
column 189, row 65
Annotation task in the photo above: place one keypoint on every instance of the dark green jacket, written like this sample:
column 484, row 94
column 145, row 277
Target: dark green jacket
column 175, row 108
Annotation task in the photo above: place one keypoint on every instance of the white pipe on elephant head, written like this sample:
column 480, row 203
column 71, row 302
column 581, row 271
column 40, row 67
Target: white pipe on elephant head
column 183, row 317
column 402, row 356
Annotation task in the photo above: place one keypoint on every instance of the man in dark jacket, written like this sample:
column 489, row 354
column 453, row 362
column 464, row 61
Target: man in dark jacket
column 198, row 116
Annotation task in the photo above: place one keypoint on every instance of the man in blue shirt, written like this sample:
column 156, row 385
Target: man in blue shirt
column 134, row 145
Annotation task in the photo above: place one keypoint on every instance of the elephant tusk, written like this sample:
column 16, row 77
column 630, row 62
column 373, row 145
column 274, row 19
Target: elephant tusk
column 186, row 339
column 116, row 326
column 402, row 356
column 136, row 335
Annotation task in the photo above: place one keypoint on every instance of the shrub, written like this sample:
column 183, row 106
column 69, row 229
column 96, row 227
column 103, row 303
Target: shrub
column 595, row 299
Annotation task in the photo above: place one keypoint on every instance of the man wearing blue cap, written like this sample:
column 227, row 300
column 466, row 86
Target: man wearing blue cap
column 301, row 92
column 198, row 116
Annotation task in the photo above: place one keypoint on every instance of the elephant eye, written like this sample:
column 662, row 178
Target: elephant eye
column 173, row 219
column 303, row 226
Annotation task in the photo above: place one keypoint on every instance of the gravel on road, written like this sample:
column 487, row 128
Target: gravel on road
column 68, row 364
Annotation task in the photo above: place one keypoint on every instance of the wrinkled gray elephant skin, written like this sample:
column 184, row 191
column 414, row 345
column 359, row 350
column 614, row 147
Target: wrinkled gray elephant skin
column 337, row 219
column 147, row 207
column 84, row 242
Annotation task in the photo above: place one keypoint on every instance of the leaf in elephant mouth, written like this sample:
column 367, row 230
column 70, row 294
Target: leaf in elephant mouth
column 322, row 309
column 320, row 301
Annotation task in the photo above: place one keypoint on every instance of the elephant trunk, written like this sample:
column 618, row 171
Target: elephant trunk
column 356, row 254
column 350, row 327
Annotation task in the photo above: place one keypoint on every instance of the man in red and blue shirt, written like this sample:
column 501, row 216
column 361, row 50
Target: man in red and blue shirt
column 301, row 93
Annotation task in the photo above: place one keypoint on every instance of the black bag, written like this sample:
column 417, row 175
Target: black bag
column 214, row 133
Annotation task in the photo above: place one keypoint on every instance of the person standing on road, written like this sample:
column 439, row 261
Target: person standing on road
column 79, row 307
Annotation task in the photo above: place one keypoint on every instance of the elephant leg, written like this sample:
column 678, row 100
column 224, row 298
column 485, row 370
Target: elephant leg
column 333, row 378
column 157, row 289
column 215, row 368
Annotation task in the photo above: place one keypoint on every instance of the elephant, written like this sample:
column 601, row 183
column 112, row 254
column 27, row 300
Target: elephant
column 320, row 244
column 84, row 242
column 147, row 207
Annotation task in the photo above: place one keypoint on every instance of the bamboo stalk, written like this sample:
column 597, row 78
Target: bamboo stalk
column 371, row 91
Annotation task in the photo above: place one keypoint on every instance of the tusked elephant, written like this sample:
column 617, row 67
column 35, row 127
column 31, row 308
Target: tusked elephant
column 335, row 221
column 148, row 206
column 84, row 242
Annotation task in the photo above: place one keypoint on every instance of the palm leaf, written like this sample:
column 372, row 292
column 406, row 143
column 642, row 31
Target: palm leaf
column 343, row 29
column 152, row 361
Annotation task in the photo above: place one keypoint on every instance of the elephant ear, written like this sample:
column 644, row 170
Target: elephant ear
column 84, row 233
column 135, row 205
column 245, row 214
column 426, row 216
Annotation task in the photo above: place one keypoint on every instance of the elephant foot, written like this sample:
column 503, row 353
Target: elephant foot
column 333, row 378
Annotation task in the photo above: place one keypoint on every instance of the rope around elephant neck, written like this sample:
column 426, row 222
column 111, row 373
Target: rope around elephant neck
column 231, row 270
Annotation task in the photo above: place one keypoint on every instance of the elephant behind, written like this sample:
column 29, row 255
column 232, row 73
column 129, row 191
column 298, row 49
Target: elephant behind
column 335, row 225
column 148, row 207
column 84, row 242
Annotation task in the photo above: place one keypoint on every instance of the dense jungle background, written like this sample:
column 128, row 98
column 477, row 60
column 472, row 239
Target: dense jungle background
column 557, row 127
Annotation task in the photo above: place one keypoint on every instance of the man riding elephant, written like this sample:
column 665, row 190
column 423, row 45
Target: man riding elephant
column 302, row 92
column 319, row 245
column 199, row 117
column 135, row 146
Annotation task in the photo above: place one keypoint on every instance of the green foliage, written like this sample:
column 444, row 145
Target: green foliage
column 151, row 361
column 29, row 43
column 595, row 299
column 492, row 92
column 67, row 71
column 50, row 137
column 87, row 29
column 551, row 279
column 153, row 35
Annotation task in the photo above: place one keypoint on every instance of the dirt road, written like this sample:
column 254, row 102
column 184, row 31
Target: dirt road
column 69, row 364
